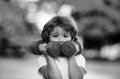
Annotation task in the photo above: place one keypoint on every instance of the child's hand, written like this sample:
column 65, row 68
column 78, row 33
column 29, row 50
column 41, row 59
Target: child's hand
column 77, row 48
column 42, row 48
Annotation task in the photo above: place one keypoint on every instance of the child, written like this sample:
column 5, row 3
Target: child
column 60, row 29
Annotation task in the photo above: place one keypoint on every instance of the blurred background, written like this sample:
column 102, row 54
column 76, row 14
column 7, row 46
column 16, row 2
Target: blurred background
column 21, row 22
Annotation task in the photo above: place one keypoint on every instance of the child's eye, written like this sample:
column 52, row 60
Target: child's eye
column 66, row 35
column 55, row 35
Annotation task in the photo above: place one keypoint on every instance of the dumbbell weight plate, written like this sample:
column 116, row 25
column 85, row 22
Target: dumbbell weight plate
column 68, row 48
column 34, row 48
column 53, row 49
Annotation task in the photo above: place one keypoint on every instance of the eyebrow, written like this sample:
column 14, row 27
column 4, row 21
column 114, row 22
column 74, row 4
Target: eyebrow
column 66, row 32
column 54, row 33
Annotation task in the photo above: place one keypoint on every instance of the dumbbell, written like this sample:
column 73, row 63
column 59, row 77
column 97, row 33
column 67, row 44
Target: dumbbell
column 53, row 49
column 68, row 48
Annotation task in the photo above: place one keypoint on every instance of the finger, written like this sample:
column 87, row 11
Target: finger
column 40, row 47
column 77, row 47
column 45, row 45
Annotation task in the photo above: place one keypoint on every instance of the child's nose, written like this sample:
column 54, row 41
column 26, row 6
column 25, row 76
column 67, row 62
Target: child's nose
column 61, row 39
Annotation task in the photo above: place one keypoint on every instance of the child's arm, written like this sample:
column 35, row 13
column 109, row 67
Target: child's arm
column 53, row 71
column 50, row 71
column 75, row 71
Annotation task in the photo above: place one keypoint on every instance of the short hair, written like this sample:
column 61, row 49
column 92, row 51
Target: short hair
column 61, row 21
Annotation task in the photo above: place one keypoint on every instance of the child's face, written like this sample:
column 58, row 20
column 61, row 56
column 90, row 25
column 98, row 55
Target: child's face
column 60, row 35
